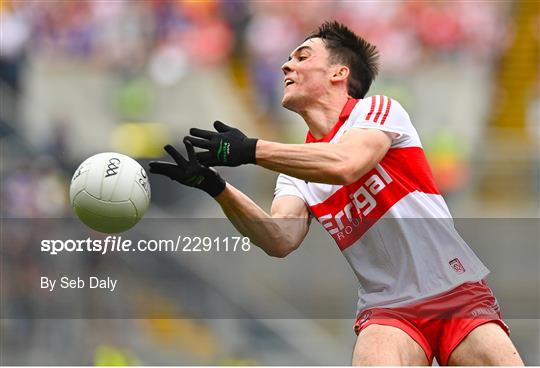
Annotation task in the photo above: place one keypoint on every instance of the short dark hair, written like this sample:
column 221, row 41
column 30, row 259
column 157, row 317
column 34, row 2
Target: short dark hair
column 347, row 48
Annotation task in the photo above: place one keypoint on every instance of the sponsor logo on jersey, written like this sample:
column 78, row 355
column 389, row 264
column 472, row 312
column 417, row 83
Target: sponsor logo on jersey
column 363, row 200
column 349, row 211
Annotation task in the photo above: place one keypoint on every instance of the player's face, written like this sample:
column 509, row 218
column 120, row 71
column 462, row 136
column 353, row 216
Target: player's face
column 307, row 75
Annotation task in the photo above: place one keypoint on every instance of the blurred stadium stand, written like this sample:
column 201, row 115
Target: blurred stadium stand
column 78, row 78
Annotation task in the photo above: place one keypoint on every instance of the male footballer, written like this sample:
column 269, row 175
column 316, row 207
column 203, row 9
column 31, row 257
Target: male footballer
column 363, row 175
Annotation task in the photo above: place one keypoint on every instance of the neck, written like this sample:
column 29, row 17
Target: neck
column 321, row 117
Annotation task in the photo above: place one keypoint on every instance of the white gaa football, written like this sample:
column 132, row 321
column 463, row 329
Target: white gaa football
column 110, row 192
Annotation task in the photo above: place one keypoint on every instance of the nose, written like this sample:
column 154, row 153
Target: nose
column 286, row 67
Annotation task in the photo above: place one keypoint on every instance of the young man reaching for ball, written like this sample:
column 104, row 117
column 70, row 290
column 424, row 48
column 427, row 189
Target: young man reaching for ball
column 362, row 163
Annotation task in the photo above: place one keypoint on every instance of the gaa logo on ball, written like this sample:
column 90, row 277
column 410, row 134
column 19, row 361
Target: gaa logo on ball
column 110, row 192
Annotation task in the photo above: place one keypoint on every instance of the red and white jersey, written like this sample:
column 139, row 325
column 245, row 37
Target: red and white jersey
column 392, row 224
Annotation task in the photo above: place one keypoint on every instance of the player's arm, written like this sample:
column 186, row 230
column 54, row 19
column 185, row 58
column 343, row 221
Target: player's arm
column 357, row 152
column 277, row 234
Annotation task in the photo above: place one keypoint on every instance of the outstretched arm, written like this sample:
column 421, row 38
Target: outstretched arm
column 344, row 162
column 277, row 234
column 358, row 151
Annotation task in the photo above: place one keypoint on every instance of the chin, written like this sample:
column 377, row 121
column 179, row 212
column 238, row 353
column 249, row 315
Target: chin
column 285, row 103
column 289, row 102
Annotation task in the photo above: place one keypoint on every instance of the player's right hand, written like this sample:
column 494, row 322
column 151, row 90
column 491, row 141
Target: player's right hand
column 227, row 146
column 189, row 172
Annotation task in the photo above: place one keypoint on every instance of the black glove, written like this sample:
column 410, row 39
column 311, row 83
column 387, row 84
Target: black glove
column 190, row 173
column 226, row 147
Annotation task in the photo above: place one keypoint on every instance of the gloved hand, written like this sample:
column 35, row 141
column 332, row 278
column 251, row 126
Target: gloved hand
column 190, row 173
column 226, row 147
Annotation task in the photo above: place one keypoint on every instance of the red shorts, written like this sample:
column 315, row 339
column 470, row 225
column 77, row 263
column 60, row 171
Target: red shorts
column 438, row 324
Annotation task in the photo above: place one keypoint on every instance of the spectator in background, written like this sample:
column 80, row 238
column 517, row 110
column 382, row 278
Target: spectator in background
column 269, row 37
column 38, row 190
column 16, row 30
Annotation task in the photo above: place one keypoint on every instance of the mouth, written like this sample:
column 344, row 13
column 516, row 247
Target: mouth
column 288, row 82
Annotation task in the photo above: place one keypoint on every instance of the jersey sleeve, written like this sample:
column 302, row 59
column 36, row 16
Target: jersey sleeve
column 285, row 185
column 386, row 114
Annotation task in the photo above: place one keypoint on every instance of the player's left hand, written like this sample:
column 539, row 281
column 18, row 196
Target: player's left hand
column 227, row 146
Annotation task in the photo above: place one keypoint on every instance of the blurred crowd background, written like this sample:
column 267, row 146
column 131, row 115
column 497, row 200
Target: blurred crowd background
column 83, row 77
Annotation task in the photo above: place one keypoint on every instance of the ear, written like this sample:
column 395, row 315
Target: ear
column 340, row 73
